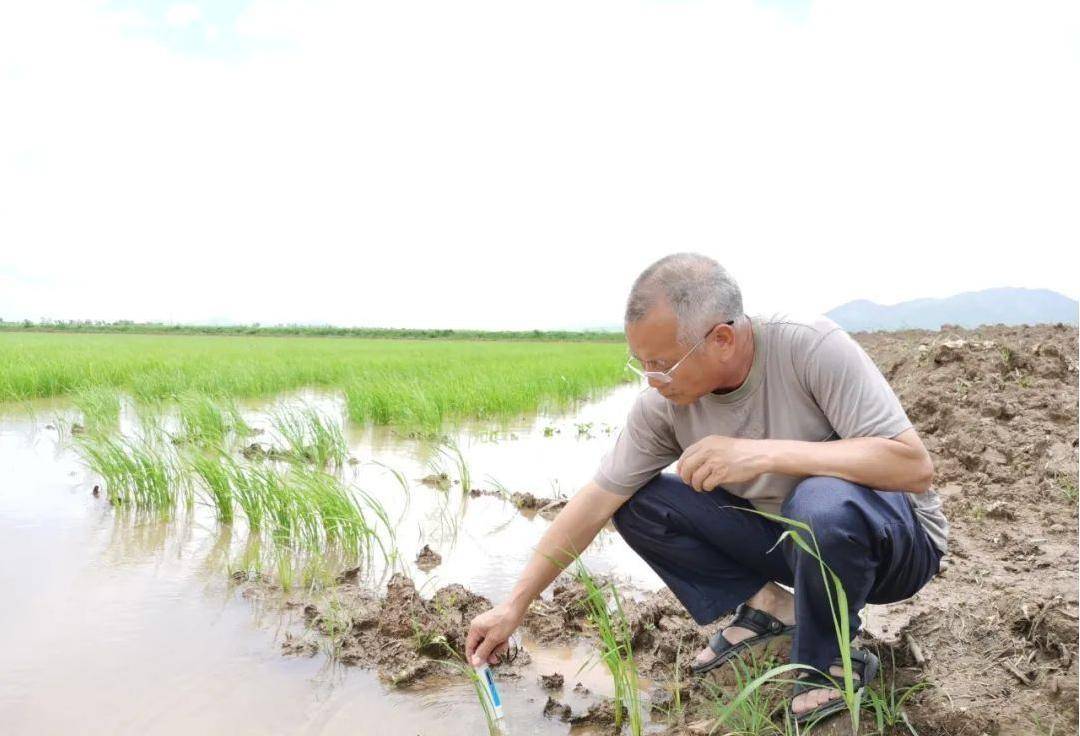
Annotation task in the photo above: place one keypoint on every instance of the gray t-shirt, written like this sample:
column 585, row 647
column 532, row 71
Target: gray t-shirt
column 809, row 381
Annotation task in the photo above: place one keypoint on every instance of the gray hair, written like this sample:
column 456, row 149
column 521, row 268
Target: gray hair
column 700, row 291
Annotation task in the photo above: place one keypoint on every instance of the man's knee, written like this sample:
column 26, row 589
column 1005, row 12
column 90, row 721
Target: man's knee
column 827, row 505
column 652, row 506
column 644, row 498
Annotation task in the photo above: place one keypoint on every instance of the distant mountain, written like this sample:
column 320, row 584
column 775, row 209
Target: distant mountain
column 970, row 309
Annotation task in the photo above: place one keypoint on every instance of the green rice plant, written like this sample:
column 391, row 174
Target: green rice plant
column 388, row 546
column 1068, row 487
column 311, row 437
column 499, row 487
column 409, row 383
column 136, row 472
column 100, row 407
column 457, row 663
column 335, row 623
column 209, row 422
column 217, row 473
column 762, row 712
column 405, row 487
column 63, row 426
column 677, row 710
column 452, row 451
column 616, row 651
column 152, row 419
column 312, row 518
column 887, row 704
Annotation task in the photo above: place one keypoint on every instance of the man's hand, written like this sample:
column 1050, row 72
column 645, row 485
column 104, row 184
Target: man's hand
column 715, row 460
column 573, row 529
column 488, row 634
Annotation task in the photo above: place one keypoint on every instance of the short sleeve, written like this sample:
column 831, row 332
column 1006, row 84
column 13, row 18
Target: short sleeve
column 645, row 446
column 851, row 391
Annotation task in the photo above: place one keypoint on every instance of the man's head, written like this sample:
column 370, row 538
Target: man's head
column 677, row 309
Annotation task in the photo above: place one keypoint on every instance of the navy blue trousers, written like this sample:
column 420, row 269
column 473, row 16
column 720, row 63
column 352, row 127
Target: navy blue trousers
column 713, row 554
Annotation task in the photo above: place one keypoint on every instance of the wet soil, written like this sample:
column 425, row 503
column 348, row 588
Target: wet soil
column 526, row 503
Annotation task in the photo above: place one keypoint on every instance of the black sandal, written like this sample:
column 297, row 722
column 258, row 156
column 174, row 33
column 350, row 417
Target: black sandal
column 864, row 668
column 765, row 625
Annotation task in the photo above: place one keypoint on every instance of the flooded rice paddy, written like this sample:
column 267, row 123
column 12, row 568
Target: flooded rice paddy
column 129, row 623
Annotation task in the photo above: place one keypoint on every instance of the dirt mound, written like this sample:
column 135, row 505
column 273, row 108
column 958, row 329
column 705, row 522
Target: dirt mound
column 562, row 618
column 995, row 635
column 996, row 632
column 401, row 635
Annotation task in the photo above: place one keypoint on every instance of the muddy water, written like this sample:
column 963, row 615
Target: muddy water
column 117, row 625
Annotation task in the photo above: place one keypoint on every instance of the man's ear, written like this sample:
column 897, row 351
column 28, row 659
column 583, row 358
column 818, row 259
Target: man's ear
column 724, row 335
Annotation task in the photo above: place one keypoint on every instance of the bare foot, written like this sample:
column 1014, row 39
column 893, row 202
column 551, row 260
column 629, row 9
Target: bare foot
column 813, row 698
column 773, row 600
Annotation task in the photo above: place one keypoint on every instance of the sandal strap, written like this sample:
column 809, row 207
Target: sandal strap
column 813, row 680
column 758, row 621
column 810, row 680
column 859, row 660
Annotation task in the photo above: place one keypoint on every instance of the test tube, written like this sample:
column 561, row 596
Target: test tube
column 494, row 699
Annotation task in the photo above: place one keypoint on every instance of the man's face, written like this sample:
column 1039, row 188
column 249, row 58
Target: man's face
column 653, row 341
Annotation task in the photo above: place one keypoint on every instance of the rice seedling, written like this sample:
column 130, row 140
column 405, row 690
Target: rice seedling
column 452, row 451
column 335, row 622
column 100, row 407
column 888, row 704
column 136, row 472
column 209, row 422
column 762, row 712
column 616, row 652
column 676, row 694
column 216, row 473
column 499, row 487
column 458, row 663
column 405, row 487
column 311, row 437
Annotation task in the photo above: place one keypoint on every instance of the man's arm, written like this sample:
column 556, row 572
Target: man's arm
column 897, row 464
column 573, row 529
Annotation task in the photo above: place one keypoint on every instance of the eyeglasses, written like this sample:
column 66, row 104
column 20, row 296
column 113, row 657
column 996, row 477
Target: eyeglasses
column 665, row 376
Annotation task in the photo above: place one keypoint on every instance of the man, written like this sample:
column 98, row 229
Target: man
column 785, row 416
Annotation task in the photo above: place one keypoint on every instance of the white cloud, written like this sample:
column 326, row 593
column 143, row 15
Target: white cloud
column 496, row 164
column 183, row 15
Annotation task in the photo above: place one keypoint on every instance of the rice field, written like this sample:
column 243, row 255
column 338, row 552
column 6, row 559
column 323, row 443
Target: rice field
column 419, row 384
column 183, row 440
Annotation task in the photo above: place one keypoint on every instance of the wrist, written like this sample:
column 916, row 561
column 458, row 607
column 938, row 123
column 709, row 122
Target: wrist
column 517, row 604
column 768, row 457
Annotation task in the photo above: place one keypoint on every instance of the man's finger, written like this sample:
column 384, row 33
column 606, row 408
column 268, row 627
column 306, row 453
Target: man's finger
column 495, row 655
column 483, row 652
column 713, row 481
column 687, row 452
column 699, row 477
column 689, row 463
column 471, row 641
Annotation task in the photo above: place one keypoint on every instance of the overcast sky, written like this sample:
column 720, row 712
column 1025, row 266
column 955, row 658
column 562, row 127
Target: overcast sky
column 515, row 165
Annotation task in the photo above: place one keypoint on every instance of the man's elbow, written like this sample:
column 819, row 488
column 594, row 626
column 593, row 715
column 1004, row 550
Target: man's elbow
column 924, row 476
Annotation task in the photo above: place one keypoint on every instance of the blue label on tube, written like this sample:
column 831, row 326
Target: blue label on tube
column 494, row 691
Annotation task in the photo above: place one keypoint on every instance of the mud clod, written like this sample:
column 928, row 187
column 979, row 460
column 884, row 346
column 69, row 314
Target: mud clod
column 554, row 709
column 428, row 559
column 551, row 682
